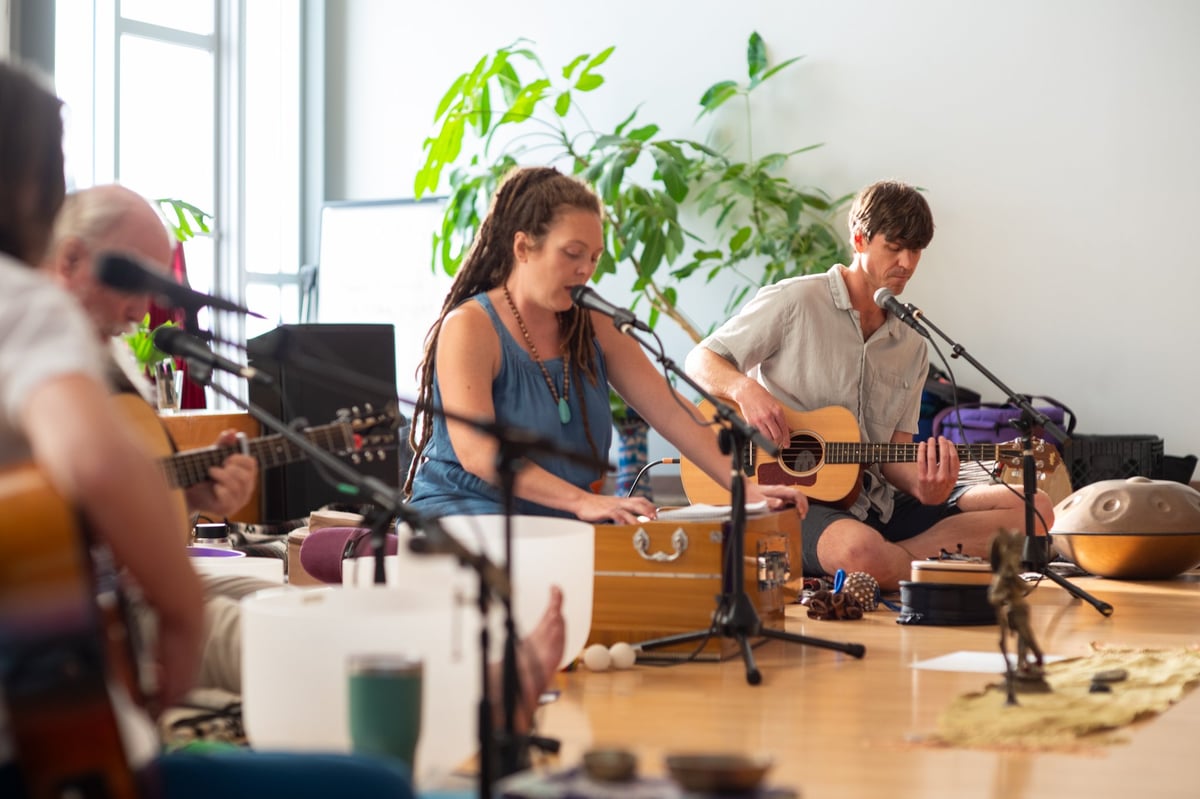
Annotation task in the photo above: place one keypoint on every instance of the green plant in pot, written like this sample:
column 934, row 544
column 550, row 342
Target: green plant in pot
column 752, row 221
column 185, row 221
column 676, row 210
column 141, row 344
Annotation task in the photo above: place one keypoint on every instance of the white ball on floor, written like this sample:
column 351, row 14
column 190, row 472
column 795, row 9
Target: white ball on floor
column 623, row 655
column 597, row 658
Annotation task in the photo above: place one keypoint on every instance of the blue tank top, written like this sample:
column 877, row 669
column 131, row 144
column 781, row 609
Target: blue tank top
column 521, row 399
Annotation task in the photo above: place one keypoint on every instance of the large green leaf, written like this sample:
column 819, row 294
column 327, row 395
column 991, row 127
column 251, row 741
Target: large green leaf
column 778, row 68
column 570, row 68
column 452, row 96
column 756, row 57
column 563, row 104
column 589, row 82
column 716, row 95
column 644, row 133
column 600, row 57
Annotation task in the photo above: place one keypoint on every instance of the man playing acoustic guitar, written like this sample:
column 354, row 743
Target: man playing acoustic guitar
column 112, row 218
column 820, row 340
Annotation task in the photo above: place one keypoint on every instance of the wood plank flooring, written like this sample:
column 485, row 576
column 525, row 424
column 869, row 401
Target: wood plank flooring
column 841, row 727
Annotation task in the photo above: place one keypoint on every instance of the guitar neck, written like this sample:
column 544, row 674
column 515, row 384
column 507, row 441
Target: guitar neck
column 186, row 469
column 858, row 452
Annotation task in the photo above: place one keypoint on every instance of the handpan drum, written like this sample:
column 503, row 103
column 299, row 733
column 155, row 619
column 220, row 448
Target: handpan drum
column 1134, row 529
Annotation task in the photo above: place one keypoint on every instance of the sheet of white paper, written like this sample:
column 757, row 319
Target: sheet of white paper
column 982, row 662
column 701, row 512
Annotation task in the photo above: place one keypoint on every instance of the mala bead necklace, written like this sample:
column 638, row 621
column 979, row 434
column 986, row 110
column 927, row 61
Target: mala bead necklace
column 564, row 410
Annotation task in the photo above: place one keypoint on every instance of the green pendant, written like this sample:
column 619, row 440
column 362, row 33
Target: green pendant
column 564, row 411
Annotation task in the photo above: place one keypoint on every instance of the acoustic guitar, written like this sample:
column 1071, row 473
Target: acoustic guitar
column 359, row 433
column 68, row 673
column 824, row 458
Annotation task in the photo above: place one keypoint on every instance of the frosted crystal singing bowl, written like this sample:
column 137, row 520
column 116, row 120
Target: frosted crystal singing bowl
column 295, row 643
column 1132, row 529
column 546, row 551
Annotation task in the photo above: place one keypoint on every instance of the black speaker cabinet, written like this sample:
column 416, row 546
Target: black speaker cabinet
column 303, row 360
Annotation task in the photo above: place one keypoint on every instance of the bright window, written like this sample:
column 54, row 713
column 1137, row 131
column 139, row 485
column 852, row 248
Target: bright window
column 197, row 100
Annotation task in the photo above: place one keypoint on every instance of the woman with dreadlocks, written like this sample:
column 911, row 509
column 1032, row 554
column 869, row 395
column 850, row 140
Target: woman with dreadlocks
column 510, row 346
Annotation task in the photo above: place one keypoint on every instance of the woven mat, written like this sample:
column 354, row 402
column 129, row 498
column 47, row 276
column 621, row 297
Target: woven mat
column 1071, row 716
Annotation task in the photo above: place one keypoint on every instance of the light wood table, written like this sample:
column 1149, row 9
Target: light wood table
column 843, row 728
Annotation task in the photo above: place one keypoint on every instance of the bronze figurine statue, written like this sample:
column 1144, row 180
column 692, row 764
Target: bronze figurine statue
column 1007, row 594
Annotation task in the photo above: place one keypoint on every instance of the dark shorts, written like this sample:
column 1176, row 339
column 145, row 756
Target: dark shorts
column 909, row 518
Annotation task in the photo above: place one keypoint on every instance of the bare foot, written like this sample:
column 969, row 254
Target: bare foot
column 538, row 656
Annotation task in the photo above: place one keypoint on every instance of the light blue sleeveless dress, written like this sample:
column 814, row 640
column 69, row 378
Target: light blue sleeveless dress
column 521, row 399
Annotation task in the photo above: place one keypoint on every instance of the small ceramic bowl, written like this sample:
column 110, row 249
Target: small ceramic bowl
column 719, row 773
column 610, row 765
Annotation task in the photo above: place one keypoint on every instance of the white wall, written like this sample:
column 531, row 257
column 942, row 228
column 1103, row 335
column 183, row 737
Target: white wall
column 1056, row 139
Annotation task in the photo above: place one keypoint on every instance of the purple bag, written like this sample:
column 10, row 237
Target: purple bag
column 991, row 422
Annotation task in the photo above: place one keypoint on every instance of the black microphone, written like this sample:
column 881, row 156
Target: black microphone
column 175, row 341
column 623, row 318
column 122, row 273
column 886, row 300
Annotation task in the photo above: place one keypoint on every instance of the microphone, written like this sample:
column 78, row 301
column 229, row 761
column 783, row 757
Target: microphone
column 126, row 275
column 886, row 300
column 623, row 318
column 174, row 341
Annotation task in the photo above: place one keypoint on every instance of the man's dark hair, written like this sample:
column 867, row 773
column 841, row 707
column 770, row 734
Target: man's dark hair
column 896, row 210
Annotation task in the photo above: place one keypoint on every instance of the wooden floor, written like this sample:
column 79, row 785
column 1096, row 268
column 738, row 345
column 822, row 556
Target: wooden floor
column 843, row 728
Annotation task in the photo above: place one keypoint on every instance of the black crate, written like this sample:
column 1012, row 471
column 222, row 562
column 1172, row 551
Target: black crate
column 1094, row 458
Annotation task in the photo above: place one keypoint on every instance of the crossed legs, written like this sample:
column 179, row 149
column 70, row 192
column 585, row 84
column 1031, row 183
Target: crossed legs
column 855, row 546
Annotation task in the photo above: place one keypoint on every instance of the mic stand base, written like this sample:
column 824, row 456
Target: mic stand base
column 1035, row 554
column 735, row 616
column 740, row 622
column 1037, row 560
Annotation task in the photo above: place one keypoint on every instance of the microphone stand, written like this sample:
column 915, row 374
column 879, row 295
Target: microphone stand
column 1036, row 553
column 735, row 616
column 492, row 580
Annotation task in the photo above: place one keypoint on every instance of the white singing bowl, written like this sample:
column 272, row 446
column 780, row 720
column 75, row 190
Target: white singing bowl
column 295, row 643
column 546, row 551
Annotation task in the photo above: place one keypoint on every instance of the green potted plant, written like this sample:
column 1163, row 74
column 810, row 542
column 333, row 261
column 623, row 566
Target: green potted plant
column 141, row 344
column 761, row 227
column 185, row 221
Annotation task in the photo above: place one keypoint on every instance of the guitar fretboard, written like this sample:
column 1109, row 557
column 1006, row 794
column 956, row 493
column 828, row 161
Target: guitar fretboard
column 859, row 452
column 186, row 469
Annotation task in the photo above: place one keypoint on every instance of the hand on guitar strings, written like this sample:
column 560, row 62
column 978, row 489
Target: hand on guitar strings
column 229, row 486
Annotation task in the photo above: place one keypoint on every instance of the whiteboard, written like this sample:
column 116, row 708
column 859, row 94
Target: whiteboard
column 375, row 267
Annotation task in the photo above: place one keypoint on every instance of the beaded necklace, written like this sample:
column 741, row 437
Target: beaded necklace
column 564, row 410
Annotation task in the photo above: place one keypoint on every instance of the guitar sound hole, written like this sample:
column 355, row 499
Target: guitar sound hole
column 803, row 454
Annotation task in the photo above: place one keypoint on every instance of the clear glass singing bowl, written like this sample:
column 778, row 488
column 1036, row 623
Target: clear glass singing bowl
column 1134, row 529
column 547, row 551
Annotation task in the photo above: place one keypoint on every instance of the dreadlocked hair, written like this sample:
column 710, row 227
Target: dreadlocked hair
column 528, row 200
